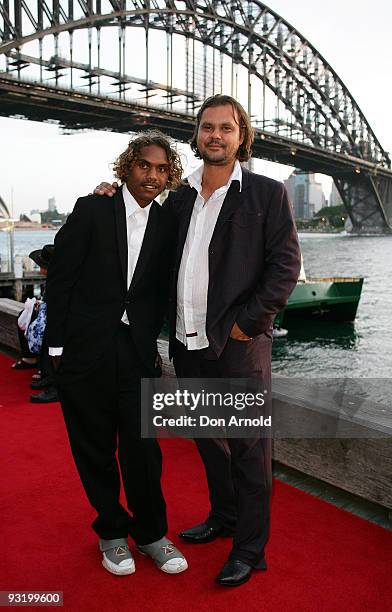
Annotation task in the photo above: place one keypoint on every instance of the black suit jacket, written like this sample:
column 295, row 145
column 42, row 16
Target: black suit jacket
column 87, row 283
column 254, row 257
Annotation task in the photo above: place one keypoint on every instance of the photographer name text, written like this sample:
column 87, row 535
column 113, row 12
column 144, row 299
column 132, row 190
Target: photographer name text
column 204, row 420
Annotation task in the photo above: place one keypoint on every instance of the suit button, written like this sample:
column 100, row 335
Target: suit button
column 127, row 302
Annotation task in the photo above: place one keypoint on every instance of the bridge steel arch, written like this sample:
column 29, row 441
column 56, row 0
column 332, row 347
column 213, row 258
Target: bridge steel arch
column 4, row 212
column 321, row 129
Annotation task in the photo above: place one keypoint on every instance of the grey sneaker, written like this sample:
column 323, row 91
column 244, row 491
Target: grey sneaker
column 165, row 556
column 117, row 558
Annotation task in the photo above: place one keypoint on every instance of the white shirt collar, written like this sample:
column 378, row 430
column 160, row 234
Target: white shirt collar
column 131, row 206
column 195, row 178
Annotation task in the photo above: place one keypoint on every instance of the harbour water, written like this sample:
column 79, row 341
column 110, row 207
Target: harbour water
column 362, row 350
column 359, row 350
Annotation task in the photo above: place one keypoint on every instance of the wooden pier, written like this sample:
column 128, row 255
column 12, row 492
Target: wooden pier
column 16, row 288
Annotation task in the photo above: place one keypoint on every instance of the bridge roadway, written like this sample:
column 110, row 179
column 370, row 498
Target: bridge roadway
column 78, row 111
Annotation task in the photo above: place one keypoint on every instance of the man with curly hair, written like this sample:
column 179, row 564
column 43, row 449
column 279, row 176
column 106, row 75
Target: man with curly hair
column 106, row 293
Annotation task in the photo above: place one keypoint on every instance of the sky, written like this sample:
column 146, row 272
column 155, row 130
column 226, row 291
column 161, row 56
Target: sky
column 37, row 162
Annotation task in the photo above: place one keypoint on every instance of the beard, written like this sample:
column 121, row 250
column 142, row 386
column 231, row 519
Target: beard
column 215, row 158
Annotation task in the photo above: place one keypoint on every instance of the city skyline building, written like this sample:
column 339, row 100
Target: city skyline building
column 334, row 198
column 306, row 194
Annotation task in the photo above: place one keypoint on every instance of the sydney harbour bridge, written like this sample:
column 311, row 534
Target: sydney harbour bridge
column 126, row 65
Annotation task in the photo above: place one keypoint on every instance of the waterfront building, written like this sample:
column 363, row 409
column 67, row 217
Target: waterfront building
column 305, row 193
column 334, row 198
column 35, row 217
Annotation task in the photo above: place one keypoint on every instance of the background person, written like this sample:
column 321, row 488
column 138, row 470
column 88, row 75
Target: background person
column 43, row 381
column 45, row 384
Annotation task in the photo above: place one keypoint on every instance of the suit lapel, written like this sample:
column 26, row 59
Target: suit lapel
column 147, row 244
column 121, row 230
column 233, row 200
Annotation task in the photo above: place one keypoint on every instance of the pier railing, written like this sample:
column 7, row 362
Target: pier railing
column 16, row 285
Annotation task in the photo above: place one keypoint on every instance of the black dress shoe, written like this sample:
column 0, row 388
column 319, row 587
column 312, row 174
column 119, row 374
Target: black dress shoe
column 45, row 397
column 233, row 573
column 203, row 533
column 42, row 383
column 23, row 365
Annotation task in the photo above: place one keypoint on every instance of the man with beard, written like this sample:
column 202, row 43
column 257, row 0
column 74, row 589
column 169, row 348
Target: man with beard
column 238, row 260
column 106, row 293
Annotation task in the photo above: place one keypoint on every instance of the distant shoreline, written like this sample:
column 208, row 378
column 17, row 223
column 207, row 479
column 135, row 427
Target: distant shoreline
column 30, row 226
column 320, row 231
column 39, row 226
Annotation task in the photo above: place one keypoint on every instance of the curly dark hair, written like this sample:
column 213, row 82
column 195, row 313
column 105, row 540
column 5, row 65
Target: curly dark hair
column 245, row 149
column 125, row 161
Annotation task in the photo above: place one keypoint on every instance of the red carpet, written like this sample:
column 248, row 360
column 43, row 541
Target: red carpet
column 320, row 558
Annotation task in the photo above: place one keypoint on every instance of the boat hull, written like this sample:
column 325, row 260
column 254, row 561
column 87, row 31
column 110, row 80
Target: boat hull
column 323, row 299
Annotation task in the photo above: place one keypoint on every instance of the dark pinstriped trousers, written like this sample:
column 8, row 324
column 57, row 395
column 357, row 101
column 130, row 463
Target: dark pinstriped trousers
column 238, row 470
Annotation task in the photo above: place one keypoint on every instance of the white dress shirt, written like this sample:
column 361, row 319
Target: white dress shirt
column 192, row 287
column 137, row 218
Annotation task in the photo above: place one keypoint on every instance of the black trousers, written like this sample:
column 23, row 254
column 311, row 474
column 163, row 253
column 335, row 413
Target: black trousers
column 44, row 361
column 24, row 347
column 238, row 470
column 102, row 416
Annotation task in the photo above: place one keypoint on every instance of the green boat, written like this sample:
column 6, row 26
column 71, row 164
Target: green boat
column 322, row 299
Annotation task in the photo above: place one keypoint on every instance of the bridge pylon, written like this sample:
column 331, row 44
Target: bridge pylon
column 368, row 202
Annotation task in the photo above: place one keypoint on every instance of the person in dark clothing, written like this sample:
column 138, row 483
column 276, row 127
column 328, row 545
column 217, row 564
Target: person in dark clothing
column 106, row 296
column 46, row 383
column 27, row 360
column 43, row 381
